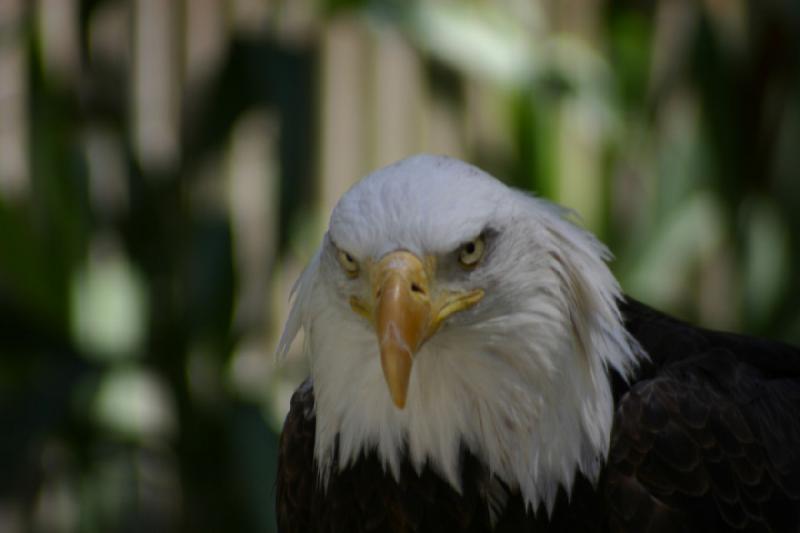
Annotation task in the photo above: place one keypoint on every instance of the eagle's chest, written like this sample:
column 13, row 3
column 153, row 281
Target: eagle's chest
column 364, row 498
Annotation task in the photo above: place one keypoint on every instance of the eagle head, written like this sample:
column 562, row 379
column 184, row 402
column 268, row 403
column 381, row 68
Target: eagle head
column 446, row 311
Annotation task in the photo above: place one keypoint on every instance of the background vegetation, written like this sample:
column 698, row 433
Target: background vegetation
column 167, row 167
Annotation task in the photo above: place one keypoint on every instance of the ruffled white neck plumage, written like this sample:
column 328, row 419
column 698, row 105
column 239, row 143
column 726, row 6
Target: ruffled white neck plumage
column 522, row 382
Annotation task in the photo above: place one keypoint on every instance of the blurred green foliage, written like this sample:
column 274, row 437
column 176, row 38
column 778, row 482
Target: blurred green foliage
column 166, row 168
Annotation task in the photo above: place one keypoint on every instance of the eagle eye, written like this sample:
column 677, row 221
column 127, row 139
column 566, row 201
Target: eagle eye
column 471, row 252
column 348, row 263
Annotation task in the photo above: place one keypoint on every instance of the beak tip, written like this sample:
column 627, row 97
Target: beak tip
column 397, row 371
column 399, row 402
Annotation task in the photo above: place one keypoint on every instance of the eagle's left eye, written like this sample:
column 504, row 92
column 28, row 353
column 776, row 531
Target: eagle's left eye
column 348, row 262
column 471, row 252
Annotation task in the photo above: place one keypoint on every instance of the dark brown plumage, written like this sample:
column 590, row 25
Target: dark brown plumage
column 706, row 437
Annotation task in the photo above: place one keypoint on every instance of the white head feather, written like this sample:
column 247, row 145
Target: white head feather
column 521, row 379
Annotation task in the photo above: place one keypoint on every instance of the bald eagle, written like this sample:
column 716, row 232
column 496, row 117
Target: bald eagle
column 474, row 366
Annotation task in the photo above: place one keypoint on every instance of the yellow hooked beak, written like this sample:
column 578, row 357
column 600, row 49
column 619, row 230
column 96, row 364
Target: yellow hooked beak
column 405, row 314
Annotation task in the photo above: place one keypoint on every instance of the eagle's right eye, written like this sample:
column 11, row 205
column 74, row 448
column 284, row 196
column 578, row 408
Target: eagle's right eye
column 348, row 262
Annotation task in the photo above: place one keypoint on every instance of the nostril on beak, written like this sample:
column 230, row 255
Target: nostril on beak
column 417, row 288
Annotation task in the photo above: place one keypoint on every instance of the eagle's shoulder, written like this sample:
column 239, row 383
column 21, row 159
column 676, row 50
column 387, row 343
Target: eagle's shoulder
column 667, row 339
column 296, row 481
column 708, row 434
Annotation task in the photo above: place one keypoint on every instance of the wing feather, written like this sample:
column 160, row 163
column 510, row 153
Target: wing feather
column 708, row 441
